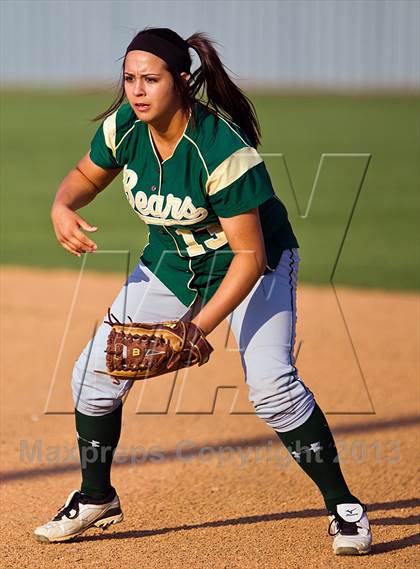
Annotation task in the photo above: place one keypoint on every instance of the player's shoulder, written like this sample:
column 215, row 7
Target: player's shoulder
column 119, row 123
column 125, row 117
column 216, row 137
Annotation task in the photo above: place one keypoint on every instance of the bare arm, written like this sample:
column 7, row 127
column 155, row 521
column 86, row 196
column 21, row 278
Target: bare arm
column 245, row 238
column 81, row 185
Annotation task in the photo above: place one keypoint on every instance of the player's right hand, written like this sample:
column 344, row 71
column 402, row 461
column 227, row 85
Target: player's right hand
column 68, row 227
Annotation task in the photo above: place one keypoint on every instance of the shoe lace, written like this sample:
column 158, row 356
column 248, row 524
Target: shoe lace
column 66, row 510
column 344, row 527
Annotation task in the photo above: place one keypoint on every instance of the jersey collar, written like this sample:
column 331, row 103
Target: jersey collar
column 186, row 130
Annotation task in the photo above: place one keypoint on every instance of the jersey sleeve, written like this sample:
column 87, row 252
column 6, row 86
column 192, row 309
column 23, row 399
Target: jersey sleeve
column 240, row 183
column 102, row 148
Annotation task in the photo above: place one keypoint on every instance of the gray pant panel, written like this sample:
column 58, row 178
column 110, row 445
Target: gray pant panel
column 145, row 299
column 264, row 325
column 264, row 328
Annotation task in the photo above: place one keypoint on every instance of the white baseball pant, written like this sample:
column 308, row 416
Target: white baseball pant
column 263, row 324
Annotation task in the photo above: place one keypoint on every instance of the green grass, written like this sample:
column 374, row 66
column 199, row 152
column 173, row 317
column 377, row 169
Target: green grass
column 44, row 134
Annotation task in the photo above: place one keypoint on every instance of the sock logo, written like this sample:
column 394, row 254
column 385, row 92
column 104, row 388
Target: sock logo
column 313, row 447
column 93, row 443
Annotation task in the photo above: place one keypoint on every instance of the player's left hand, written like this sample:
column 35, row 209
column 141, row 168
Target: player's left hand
column 143, row 350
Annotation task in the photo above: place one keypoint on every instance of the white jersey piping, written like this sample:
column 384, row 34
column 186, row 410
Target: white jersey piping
column 128, row 132
column 232, row 129
column 199, row 153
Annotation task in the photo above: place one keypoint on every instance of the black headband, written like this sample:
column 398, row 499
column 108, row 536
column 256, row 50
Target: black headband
column 166, row 44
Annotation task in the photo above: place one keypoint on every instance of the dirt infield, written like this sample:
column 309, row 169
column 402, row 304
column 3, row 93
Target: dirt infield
column 203, row 487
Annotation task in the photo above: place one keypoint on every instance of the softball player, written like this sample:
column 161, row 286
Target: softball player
column 220, row 246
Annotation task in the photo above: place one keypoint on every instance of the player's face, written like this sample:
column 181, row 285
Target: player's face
column 149, row 87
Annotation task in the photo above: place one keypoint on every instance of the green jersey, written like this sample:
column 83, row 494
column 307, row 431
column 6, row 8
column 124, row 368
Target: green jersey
column 213, row 172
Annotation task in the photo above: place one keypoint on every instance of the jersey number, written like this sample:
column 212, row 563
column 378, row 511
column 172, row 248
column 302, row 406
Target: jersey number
column 217, row 240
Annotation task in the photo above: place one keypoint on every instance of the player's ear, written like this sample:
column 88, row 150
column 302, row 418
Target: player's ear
column 185, row 75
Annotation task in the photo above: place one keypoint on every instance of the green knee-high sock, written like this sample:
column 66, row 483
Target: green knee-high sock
column 313, row 448
column 97, row 437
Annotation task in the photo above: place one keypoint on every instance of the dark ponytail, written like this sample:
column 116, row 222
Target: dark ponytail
column 212, row 81
column 223, row 96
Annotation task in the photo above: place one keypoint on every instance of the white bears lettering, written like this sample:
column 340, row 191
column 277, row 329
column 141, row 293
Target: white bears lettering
column 161, row 210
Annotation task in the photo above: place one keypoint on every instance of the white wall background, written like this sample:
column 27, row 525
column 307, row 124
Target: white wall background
column 281, row 43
